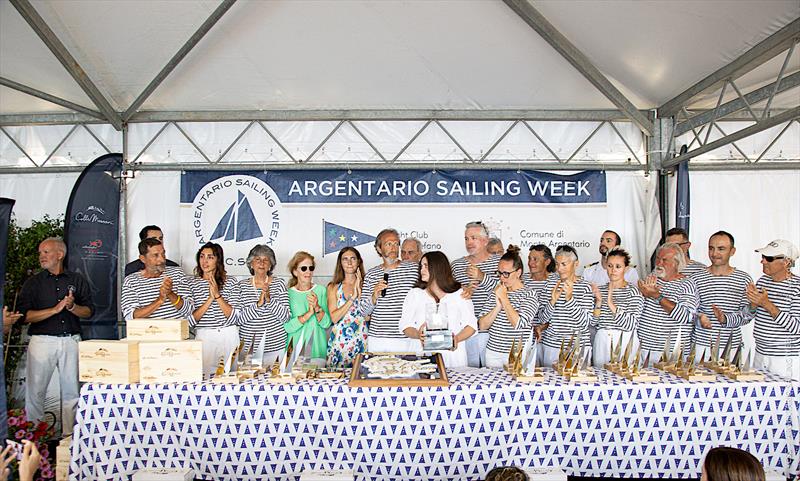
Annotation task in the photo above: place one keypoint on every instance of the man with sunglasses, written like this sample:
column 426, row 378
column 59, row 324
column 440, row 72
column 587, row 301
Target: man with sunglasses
column 385, row 290
column 476, row 273
column 679, row 236
column 774, row 302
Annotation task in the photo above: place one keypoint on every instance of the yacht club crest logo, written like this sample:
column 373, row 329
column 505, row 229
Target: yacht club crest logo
column 236, row 211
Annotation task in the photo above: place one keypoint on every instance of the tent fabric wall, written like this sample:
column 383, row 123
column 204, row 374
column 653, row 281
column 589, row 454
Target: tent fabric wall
column 755, row 207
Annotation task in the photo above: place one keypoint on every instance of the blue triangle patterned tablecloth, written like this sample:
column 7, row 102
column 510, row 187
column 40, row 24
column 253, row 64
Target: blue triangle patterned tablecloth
column 261, row 431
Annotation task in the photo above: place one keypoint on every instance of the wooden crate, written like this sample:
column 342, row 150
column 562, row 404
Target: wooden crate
column 170, row 361
column 158, row 329
column 107, row 361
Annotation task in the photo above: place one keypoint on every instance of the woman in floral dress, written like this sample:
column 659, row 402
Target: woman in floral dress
column 349, row 332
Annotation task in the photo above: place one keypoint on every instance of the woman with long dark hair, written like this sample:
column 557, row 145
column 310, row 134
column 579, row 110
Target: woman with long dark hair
column 437, row 295
column 348, row 314
column 215, row 295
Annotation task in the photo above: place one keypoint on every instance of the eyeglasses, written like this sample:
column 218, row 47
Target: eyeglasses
column 504, row 274
column 390, row 244
column 771, row 258
column 306, row 268
column 260, row 260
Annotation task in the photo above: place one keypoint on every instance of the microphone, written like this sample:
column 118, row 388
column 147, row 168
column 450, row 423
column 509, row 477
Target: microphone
column 385, row 279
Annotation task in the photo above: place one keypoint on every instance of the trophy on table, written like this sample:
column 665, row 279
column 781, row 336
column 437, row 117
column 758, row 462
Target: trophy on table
column 529, row 371
column 692, row 372
column 582, row 370
column 744, row 371
column 613, row 364
column 438, row 336
column 641, row 373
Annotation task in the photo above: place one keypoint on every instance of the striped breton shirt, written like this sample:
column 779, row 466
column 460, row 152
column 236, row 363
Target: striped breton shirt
column 139, row 291
column 501, row 333
column 385, row 313
column 656, row 326
column 693, row 267
column 727, row 293
column 629, row 303
column 779, row 336
column 214, row 317
column 484, row 290
column 566, row 317
column 254, row 322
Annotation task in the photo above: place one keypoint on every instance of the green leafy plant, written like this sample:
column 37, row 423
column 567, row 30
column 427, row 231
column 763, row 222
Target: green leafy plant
column 22, row 261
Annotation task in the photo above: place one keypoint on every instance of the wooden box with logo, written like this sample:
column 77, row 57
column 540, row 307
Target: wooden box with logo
column 158, row 329
column 107, row 361
column 170, row 361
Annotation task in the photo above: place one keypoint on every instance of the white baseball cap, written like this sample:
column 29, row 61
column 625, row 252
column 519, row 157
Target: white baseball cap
column 780, row 248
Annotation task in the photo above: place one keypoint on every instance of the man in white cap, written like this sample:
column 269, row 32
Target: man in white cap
column 775, row 305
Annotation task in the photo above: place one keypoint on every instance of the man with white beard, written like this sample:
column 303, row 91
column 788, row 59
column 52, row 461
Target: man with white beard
column 670, row 304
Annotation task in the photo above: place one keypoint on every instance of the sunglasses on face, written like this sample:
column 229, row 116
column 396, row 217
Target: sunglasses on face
column 504, row 274
column 306, row 268
column 771, row 258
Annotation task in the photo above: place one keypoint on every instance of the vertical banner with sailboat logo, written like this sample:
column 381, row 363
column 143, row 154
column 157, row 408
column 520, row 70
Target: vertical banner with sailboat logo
column 321, row 211
column 91, row 232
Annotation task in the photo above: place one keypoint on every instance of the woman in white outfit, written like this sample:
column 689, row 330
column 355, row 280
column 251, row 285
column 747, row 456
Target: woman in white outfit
column 617, row 307
column 436, row 292
column 215, row 295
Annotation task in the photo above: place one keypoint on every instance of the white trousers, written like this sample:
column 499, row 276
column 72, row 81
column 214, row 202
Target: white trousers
column 476, row 349
column 392, row 344
column 218, row 343
column 784, row 366
column 495, row 359
column 268, row 358
column 45, row 355
column 601, row 350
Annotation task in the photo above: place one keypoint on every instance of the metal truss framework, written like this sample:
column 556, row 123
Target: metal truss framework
column 661, row 135
column 702, row 125
column 383, row 159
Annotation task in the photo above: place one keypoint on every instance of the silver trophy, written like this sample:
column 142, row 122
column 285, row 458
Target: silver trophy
column 438, row 336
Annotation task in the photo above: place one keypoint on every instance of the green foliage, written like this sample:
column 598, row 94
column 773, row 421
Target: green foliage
column 22, row 261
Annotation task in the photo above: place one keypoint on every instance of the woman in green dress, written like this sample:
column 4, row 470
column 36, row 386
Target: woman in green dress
column 308, row 305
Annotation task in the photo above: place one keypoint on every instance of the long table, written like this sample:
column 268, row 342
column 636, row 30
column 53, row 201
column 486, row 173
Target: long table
column 262, row 431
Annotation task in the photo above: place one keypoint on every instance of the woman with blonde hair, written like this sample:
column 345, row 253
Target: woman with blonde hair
column 308, row 308
column 348, row 313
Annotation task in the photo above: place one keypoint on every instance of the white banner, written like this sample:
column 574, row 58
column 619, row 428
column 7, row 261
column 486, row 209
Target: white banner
column 321, row 211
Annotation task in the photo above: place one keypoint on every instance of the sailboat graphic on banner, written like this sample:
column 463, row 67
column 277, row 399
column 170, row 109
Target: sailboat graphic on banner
column 239, row 223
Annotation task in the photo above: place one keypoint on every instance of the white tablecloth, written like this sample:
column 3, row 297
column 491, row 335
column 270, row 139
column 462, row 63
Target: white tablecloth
column 260, row 431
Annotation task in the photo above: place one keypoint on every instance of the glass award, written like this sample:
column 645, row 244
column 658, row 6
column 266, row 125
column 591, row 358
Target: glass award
column 438, row 336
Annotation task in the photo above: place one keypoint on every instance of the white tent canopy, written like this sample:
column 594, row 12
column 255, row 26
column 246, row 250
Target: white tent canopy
column 475, row 55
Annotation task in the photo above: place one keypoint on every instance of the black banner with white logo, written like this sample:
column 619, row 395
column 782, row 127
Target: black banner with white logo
column 5, row 217
column 91, row 232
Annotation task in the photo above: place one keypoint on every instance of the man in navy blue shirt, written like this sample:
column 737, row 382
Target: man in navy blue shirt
column 52, row 302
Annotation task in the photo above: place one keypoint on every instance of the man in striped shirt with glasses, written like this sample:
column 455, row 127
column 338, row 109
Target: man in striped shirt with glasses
column 774, row 302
